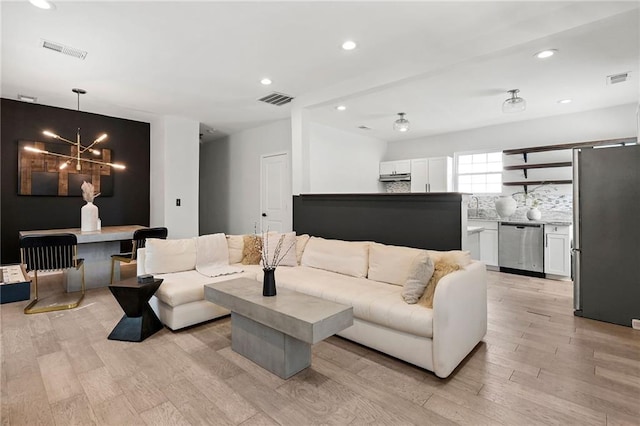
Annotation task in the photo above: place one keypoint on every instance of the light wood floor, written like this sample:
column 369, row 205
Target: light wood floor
column 538, row 364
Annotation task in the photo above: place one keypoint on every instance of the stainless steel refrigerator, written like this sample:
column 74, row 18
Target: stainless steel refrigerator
column 606, row 240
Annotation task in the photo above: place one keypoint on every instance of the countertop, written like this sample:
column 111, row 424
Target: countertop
column 525, row 221
column 474, row 229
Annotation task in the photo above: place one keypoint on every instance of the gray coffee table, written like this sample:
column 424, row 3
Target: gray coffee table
column 277, row 332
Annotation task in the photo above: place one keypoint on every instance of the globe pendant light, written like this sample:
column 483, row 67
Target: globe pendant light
column 401, row 124
column 514, row 103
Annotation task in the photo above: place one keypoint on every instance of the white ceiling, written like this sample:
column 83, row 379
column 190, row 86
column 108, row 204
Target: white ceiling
column 448, row 65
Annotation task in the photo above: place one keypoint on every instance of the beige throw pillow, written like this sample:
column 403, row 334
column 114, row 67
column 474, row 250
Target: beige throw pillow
column 460, row 257
column 392, row 264
column 236, row 246
column 287, row 251
column 252, row 250
column 441, row 269
column 419, row 274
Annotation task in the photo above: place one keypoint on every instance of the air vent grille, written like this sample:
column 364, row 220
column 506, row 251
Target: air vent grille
column 275, row 98
column 617, row 78
column 61, row 48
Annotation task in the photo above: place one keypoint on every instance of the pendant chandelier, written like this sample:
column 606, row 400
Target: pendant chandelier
column 401, row 124
column 79, row 148
column 514, row 103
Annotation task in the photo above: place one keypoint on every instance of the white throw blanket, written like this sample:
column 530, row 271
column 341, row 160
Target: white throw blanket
column 212, row 256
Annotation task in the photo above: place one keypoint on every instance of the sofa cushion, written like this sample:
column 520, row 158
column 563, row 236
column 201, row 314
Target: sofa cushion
column 163, row 256
column 301, row 243
column 252, row 250
column 344, row 257
column 235, row 243
column 393, row 264
column 372, row 301
column 286, row 253
column 178, row 288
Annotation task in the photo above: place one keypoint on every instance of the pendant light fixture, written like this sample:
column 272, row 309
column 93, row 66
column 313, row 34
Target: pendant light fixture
column 79, row 148
column 514, row 103
column 401, row 124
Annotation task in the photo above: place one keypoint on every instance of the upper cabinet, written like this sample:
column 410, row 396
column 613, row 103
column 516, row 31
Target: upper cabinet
column 432, row 174
column 395, row 167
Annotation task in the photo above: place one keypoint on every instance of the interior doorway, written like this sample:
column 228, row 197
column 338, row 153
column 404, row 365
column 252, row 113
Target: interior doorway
column 275, row 193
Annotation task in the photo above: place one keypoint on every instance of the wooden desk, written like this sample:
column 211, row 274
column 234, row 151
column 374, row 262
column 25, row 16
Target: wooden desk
column 96, row 248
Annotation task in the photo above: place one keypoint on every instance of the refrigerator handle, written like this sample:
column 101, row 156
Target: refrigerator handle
column 575, row 251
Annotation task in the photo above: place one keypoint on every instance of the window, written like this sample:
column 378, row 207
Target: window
column 480, row 173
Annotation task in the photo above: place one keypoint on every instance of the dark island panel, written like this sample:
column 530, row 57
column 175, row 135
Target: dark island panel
column 425, row 220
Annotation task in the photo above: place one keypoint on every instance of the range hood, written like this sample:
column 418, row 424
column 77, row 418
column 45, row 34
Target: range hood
column 395, row 177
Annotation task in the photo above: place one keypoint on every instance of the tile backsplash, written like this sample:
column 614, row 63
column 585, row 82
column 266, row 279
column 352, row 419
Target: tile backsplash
column 553, row 206
column 400, row 186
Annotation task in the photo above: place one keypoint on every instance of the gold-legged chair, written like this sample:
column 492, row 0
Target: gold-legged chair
column 139, row 240
column 52, row 252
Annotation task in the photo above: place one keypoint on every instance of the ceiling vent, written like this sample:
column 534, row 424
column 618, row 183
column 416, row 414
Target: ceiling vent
column 61, row 48
column 278, row 99
column 617, row 78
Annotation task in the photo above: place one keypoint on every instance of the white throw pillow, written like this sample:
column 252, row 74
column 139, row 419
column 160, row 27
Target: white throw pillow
column 164, row 256
column 392, row 264
column 236, row 245
column 344, row 257
column 287, row 252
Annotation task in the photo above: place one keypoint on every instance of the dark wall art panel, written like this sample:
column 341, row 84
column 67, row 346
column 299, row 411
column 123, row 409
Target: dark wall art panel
column 42, row 174
column 128, row 140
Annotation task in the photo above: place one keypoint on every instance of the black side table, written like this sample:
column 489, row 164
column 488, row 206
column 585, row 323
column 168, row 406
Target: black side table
column 139, row 320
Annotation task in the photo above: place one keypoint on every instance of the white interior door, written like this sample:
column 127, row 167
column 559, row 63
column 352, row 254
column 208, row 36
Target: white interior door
column 275, row 193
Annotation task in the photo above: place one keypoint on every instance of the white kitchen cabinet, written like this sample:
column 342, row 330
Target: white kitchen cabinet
column 432, row 174
column 488, row 241
column 395, row 167
column 557, row 250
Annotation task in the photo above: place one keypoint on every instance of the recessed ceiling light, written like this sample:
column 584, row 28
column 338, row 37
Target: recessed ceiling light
column 544, row 54
column 349, row 45
column 43, row 4
column 266, row 81
column 565, row 101
column 341, row 107
column 27, row 98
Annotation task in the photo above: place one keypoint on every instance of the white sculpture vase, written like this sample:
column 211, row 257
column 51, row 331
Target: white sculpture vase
column 534, row 214
column 89, row 217
column 506, row 206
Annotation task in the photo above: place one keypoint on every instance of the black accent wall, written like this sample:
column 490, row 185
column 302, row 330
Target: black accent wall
column 426, row 220
column 130, row 144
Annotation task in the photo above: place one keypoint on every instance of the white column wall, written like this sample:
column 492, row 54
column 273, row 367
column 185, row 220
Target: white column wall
column 174, row 174
column 343, row 162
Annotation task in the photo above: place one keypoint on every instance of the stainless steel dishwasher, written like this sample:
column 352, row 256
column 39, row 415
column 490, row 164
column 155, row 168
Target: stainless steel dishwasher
column 521, row 247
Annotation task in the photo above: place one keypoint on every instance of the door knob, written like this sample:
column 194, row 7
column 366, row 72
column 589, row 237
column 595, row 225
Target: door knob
column 264, row 215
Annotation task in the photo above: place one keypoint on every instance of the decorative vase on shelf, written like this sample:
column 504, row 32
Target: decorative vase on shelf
column 89, row 217
column 534, row 214
column 506, row 206
column 269, row 282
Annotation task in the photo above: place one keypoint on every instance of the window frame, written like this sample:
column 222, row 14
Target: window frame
column 456, row 156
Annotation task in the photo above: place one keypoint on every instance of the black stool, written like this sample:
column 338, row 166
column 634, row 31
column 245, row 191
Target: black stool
column 139, row 320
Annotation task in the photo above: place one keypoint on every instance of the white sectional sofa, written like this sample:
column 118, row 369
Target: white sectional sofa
column 368, row 276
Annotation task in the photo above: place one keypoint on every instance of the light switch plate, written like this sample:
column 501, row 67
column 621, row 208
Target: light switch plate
column 635, row 324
